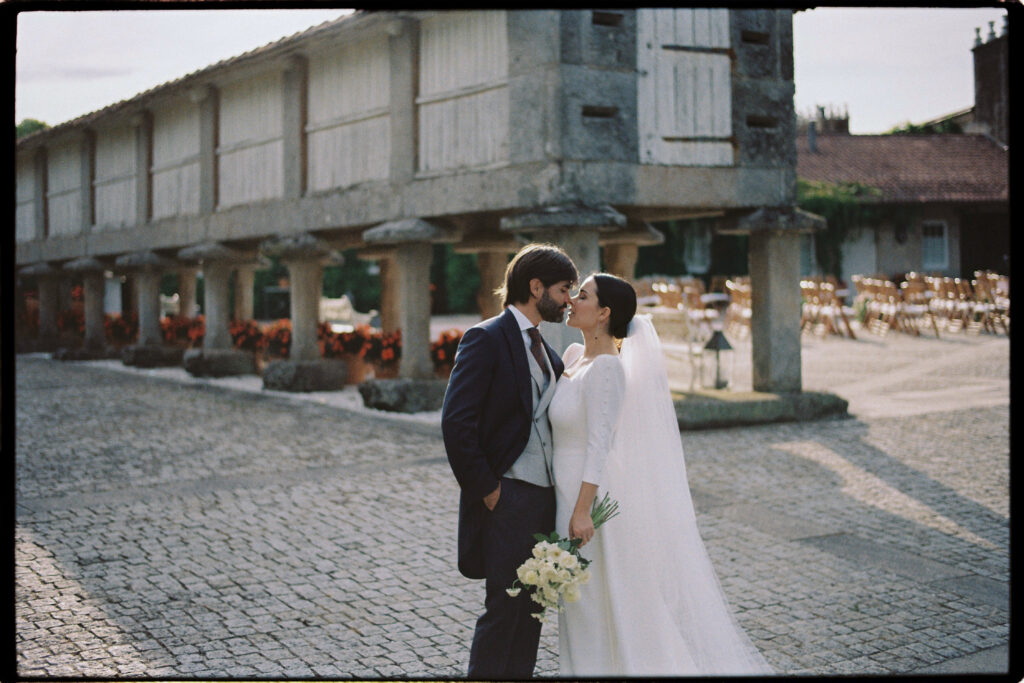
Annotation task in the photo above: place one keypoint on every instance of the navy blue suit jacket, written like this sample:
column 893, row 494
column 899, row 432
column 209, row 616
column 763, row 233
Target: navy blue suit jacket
column 486, row 419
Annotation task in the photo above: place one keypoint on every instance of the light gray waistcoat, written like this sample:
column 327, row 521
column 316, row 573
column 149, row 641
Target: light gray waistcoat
column 534, row 464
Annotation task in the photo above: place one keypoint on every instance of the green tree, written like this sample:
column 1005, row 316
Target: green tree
column 908, row 128
column 28, row 126
column 847, row 207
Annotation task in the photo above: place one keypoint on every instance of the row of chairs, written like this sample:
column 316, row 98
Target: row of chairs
column 935, row 303
column 824, row 310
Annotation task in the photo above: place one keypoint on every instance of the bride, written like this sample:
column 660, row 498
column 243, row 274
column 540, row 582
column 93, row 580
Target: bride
column 653, row 605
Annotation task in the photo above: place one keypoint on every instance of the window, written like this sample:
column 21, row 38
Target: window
column 934, row 253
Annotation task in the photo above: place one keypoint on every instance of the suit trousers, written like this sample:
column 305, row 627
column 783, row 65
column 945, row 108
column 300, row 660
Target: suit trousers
column 506, row 637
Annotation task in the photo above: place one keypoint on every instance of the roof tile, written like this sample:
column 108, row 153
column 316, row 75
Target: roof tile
column 911, row 168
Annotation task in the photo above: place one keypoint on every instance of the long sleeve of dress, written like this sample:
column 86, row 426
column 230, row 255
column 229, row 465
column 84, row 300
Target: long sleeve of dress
column 603, row 391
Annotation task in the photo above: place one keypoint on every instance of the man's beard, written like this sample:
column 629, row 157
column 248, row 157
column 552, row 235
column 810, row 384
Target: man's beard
column 549, row 309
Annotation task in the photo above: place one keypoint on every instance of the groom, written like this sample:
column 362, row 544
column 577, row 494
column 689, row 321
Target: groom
column 498, row 439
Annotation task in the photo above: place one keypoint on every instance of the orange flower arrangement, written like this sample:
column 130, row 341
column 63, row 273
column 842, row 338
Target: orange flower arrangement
column 121, row 330
column 246, row 335
column 279, row 338
column 443, row 350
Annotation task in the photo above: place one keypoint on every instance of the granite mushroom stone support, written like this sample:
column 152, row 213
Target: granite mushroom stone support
column 774, row 255
column 217, row 358
column 304, row 256
column 147, row 267
column 304, row 370
column 217, row 262
column 46, row 276
column 492, row 254
column 576, row 229
column 94, row 286
column 621, row 249
column 412, row 239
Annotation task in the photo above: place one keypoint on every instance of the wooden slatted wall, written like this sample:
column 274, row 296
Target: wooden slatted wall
column 463, row 91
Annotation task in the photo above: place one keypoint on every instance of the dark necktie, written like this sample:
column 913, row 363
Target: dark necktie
column 537, row 349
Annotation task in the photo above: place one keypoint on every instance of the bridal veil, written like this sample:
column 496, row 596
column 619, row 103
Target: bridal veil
column 666, row 609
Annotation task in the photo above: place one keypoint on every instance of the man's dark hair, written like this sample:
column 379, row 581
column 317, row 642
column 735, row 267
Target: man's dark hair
column 544, row 261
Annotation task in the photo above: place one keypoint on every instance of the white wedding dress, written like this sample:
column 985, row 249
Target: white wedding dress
column 654, row 605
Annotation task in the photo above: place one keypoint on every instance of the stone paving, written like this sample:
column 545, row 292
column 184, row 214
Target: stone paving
column 169, row 529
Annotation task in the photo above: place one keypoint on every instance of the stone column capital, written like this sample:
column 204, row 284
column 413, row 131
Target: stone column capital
column 213, row 252
column 410, row 231
column 144, row 261
column 40, row 270
column 772, row 219
column 300, row 247
column 602, row 218
column 86, row 264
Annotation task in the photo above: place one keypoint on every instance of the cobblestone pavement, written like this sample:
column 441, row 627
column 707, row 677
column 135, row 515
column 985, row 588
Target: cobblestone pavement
column 166, row 529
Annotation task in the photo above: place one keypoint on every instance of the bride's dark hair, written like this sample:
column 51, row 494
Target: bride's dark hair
column 620, row 297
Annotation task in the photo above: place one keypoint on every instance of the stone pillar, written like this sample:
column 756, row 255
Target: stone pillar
column 147, row 267
column 774, row 255
column 621, row 249
column 389, row 286
column 304, row 256
column 412, row 261
column 245, row 283
column 46, row 280
column 388, row 276
column 492, row 265
column 216, row 305
column 575, row 229
column 620, row 259
column 306, row 277
column 217, row 357
column 64, row 287
column 492, row 251
column 129, row 294
column 48, row 308
column 94, row 286
column 412, row 239
column 149, row 307
column 187, row 292
column 217, row 262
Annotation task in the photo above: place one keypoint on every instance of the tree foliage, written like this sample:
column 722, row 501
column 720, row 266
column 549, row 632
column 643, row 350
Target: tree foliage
column 848, row 207
column 908, row 128
column 27, row 127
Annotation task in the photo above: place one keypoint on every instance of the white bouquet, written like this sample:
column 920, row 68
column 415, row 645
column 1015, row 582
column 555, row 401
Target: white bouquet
column 557, row 569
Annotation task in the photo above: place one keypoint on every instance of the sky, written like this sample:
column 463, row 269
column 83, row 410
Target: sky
column 884, row 66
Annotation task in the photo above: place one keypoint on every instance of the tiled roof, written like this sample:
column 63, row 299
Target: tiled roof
column 279, row 44
column 911, row 168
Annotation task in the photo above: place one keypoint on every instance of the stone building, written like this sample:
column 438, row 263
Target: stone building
column 390, row 131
